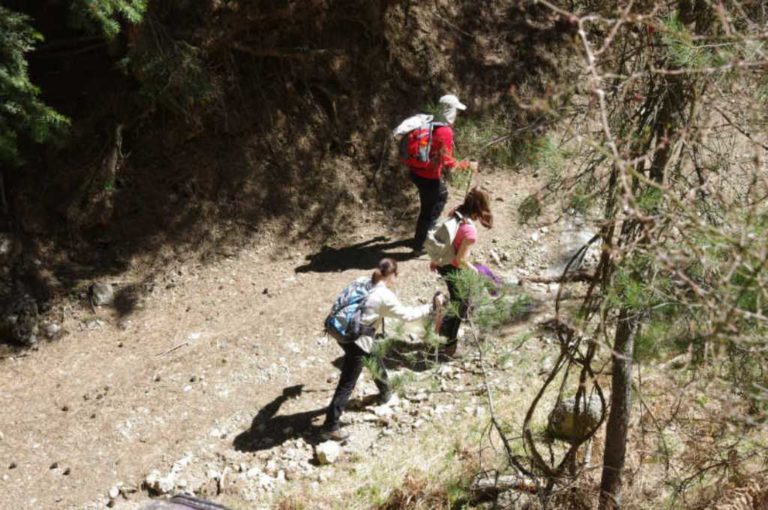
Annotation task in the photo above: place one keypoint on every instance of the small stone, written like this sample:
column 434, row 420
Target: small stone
column 55, row 465
column 384, row 413
column 52, row 330
column 327, row 452
column 12, row 465
column 101, row 294
column 94, row 324
column 66, row 472
column 159, row 484
column 114, row 492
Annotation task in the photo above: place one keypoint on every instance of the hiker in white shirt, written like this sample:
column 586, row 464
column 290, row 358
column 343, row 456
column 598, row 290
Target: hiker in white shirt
column 381, row 303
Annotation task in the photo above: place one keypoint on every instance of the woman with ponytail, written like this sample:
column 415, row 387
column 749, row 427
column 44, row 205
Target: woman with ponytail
column 380, row 303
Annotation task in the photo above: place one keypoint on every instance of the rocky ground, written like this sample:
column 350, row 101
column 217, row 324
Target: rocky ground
column 214, row 383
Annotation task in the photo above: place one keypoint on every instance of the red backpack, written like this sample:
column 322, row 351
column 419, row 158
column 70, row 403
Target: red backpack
column 416, row 145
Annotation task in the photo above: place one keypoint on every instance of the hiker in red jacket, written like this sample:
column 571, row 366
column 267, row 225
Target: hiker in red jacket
column 428, row 178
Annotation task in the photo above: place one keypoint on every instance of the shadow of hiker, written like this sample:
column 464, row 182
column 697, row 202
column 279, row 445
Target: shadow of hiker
column 364, row 255
column 268, row 430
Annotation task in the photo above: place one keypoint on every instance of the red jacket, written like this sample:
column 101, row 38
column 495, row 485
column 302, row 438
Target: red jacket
column 440, row 154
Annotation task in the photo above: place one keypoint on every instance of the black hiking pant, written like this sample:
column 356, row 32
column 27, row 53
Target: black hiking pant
column 351, row 367
column 433, row 195
column 450, row 326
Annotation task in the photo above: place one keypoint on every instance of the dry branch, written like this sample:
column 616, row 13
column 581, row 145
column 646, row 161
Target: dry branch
column 571, row 276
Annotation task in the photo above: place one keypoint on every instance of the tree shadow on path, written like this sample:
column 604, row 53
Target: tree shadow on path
column 364, row 255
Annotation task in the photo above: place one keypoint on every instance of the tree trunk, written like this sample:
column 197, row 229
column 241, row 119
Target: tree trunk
column 618, row 419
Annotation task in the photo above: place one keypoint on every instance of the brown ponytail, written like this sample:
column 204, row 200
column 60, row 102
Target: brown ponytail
column 386, row 267
column 477, row 206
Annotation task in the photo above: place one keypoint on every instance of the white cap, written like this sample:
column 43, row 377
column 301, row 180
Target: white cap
column 452, row 101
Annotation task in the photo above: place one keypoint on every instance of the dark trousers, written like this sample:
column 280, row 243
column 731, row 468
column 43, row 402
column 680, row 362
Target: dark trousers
column 351, row 367
column 450, row 326
column 432, row 195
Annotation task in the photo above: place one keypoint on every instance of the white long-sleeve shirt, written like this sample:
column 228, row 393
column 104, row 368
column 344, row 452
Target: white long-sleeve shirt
column 381, row 303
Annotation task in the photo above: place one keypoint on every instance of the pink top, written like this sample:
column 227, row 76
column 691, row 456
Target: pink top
column 466, row 231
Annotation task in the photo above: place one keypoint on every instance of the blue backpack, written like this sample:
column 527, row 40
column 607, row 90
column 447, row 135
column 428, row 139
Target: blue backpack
column 343, row 323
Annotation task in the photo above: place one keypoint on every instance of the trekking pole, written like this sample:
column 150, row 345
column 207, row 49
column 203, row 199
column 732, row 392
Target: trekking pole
column 473, row 169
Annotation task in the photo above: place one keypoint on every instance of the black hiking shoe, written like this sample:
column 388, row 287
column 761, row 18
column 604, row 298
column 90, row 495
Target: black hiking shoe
column 448, row 352
column 384, row 397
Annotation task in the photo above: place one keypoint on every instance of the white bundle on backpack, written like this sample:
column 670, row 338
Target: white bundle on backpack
column 439, row 241
column 415, row 122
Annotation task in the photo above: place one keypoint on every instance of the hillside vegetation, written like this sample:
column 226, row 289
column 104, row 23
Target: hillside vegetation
column 148, row 143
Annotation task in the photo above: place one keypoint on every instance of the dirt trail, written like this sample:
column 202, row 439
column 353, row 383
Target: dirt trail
column 208, row 348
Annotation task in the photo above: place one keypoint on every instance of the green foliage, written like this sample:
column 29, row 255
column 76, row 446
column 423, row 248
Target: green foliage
column 488, row 140
column 528, row 209
column 650, row 200
column 581, row 199
column 488, row 311
column 399, row 383
column 547, row 156
column 652, row 340
column 761, row 91
column 379, row 351
column 632, row 287
column 682, row 49
column 22, row 114
column 103, row 16
column 172, row 72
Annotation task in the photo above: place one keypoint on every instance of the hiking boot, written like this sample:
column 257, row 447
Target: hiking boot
column 449, row 350
column 334, row 434
column 417, row 249
column 384, row 397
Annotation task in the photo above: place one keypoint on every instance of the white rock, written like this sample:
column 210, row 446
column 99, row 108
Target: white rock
column 159, row 483
column 383, row 413
column 266, row 481
column 114, row 492
column 94, row 324
column 328, row 452
column 51, row 330
column 271, row 467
